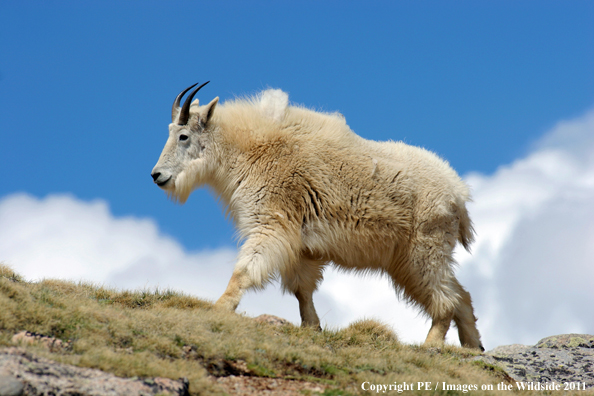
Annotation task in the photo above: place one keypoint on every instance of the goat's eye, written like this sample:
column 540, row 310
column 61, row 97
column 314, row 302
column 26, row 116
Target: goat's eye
column 183, row 137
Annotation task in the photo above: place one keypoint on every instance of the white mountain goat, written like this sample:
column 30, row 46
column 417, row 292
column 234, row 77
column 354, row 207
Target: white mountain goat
column 305, row 191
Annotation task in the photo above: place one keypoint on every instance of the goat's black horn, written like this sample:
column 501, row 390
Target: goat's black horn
column 184, row 114
column 175, row 107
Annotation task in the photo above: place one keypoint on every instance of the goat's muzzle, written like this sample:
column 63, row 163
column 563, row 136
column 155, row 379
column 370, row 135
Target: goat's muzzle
column 160, row 181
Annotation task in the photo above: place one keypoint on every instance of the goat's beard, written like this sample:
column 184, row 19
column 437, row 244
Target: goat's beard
column 187, row 181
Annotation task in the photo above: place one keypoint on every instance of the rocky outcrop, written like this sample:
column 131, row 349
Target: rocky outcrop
column 22, row 373
column 567, row 358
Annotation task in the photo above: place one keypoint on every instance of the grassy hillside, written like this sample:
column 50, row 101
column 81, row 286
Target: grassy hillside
column 169, row 334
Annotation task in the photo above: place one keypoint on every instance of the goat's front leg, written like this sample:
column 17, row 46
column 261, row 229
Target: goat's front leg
column 260, row 259
column 239, row 283
column 302, row 280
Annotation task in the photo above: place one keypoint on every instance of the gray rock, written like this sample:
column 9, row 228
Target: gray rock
column 40, row 376
column 563, row 358
column 10, row 386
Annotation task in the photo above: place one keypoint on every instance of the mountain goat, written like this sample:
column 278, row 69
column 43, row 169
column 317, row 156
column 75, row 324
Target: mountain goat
column 305, row 191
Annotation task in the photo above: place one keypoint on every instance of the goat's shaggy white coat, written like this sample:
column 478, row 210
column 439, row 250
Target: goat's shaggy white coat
column 305, row 191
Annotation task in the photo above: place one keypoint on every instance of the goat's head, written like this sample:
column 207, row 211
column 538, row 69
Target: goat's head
column 183, row 164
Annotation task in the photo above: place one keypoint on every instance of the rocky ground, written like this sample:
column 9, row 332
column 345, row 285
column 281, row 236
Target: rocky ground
column 562, row 359
column 567, row 358
column 22, row 373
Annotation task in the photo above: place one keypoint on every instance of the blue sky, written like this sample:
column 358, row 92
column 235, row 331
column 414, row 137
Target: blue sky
column 86, row 87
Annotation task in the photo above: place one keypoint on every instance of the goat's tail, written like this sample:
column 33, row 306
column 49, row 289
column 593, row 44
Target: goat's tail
column 466, row 230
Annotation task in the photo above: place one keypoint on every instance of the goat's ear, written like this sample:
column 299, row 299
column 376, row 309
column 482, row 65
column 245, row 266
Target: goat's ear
column 207, row 111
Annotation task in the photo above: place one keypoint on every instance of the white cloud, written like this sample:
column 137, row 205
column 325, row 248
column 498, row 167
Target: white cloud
column 532, row 266
column 63, row 237
column 530, row 273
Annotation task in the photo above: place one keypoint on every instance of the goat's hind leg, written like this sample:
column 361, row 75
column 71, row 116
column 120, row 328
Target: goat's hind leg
column 466, row 322
column 433, row 292
column 432, row 302
column 438, row 330
column 463, row 316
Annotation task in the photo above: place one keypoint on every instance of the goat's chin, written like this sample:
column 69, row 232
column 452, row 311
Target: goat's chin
column 180, row 188
column 187, row 181
column 165, row 185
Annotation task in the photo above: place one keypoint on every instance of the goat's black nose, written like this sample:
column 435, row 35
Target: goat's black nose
column 155, row 175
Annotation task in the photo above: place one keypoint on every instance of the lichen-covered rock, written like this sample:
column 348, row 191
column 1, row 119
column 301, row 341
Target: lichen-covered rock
column 40, row 376
column 562, row 358
column 567, row 341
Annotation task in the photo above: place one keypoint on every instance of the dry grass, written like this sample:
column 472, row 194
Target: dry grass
column 169, row 334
